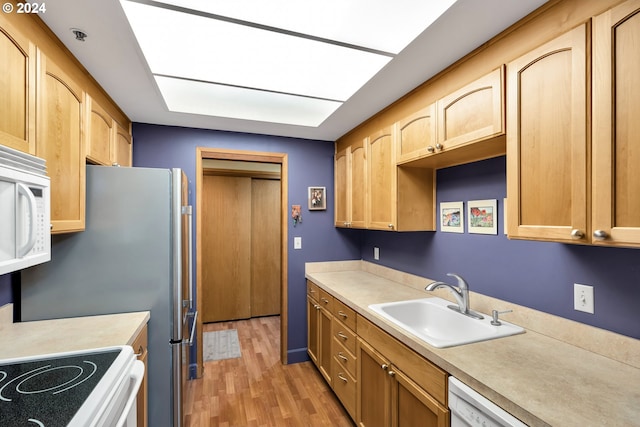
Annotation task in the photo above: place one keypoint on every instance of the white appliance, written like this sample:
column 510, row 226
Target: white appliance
column 25, row 233
column 470, row 409
column 90, row 388
column 134, row 255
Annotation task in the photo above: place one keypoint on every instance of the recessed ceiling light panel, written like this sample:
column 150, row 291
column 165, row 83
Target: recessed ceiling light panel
column 203, row 98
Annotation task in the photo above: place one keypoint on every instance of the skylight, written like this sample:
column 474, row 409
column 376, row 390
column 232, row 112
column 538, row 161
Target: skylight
column 279, row 61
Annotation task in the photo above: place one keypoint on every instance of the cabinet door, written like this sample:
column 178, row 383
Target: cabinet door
column 17, row 90
column 142, row 352
column 373, row 388
column 616, row 128
column 313, row 328
column 547, row 141
column 416, row 135
column 100, row 131
column 61, row 112
column 381, row 169
column 472, row 113
column 412, row 406
column 358, row 187
column 325, row 344
column 342, row 188
column 122, row 147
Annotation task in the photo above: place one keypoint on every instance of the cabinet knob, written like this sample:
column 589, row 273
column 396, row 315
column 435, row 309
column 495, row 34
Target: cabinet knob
column 577, row 234
column 439, row 146
column 431, row 149
column 390, row 226
column 600, row 235
column 384, row 366
column 392, row 373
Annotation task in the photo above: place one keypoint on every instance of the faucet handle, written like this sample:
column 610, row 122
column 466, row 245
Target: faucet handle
column 462, row 284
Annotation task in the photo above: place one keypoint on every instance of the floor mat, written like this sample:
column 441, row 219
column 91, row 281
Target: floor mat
column 220, row 345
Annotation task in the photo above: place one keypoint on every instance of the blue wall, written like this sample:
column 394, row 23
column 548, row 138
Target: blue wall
column 310, row 164
column 6, row 295
column 538, row 275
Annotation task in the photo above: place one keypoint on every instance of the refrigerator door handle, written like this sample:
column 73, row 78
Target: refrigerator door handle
column 188, row 210
column 193, row 314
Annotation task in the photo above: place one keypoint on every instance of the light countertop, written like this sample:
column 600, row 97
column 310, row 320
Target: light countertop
column 539, row 379
column 61, row 335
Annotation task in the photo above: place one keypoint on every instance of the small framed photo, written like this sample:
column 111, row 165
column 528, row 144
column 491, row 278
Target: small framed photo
column 483, row 216
column 317, row 198
column 452, row 217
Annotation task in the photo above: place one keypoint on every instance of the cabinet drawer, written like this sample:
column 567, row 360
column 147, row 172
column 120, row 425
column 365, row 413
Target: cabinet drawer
column 343, row 357
column 344, row 335
column 312, row 290
column 325, row 300
column 345, row 314
column 344, row 386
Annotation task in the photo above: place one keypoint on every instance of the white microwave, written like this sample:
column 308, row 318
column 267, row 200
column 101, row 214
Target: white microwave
column 25, row 212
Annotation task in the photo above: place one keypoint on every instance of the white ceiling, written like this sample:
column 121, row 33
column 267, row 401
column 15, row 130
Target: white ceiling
column 111, row 54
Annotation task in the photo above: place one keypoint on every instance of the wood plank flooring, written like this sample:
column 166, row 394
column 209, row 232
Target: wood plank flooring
column 257, row 390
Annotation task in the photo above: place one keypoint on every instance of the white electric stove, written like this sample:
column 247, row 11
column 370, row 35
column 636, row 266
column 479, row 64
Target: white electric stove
column 88, row 388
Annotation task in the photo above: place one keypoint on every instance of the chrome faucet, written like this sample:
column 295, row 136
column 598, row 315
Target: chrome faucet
column 461, row 295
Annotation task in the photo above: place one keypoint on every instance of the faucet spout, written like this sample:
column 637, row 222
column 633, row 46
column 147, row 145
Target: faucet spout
column 461, row 294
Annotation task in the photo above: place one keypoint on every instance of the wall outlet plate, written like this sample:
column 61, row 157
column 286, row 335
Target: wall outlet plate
column 583, row 298
column 376, row 253
column 297, row 243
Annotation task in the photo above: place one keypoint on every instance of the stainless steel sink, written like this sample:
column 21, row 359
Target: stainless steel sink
column 433, row 322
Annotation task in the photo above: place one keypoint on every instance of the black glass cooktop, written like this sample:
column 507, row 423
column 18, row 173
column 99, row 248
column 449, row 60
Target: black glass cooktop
column 48, row 392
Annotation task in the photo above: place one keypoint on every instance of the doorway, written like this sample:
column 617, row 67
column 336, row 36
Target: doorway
column 252, row 185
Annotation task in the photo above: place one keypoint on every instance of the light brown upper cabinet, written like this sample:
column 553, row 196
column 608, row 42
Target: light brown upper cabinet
column 416, row 135
column 616, row 128
column 381, row 167
column 350, row 185
column 122, row 147
column 471, row 113
column 101, row 132
column 547, row 148
column 61, row 112
column 17, row 90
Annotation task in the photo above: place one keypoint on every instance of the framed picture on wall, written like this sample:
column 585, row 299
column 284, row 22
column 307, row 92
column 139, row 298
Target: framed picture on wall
column 483, row 216
column 317, row 198
column 452, row 217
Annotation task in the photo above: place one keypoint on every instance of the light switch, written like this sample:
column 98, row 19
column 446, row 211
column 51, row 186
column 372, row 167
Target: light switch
column 297, row 243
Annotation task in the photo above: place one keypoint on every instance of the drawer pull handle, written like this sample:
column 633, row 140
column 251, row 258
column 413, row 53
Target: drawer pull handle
column 342, row 356
column 324, row 300
column 342, row 377
column 343, row 314
column 343, row 336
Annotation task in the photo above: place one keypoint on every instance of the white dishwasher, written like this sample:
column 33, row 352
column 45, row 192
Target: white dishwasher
column 470, row 409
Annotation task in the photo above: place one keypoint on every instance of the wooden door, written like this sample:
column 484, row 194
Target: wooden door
column 373, row 388
column 616, row 128
column 100, row 130
column 547, row 141
column 381, row 169
column 61, row 118
column 358, row 187
column 342, row 188
column 416, row 135
column 413, row 406
column 226, row 251
column 265, row 247
column 17, row 90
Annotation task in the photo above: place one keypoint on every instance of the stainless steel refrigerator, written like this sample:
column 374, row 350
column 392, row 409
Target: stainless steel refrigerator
column 134, row 255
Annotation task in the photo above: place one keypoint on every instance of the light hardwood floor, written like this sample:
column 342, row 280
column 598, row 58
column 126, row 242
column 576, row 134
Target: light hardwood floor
column 257, row 390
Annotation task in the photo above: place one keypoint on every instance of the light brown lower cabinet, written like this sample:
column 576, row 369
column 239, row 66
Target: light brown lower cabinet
column 142, row 352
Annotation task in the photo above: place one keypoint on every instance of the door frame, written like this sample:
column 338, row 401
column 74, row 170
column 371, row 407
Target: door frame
column 249, row 156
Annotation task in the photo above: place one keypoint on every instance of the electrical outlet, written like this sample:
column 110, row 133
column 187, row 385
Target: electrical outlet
column 376, row 253
column 297, row 243
column 583, row 298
